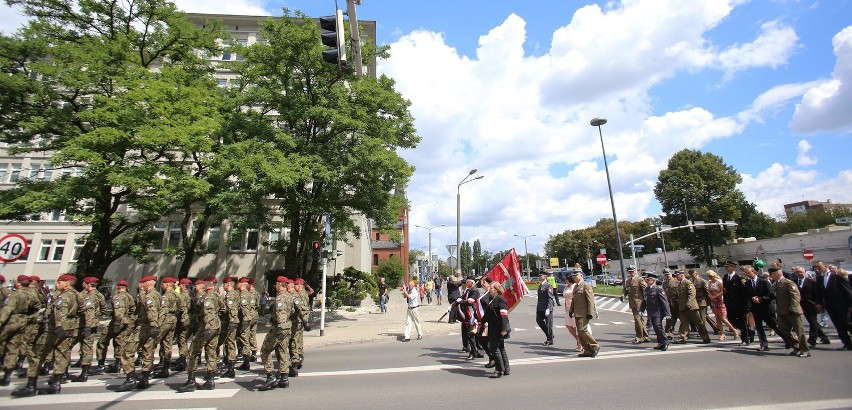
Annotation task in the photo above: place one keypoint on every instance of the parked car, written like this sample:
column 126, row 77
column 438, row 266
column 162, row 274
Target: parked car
column 561, row 276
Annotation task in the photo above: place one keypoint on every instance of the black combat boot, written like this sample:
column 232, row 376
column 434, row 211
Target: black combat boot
column 253, row 357
column 163, row 373
column 180, row 364
column 138, row 361
column 270, row 383
column 229, row 373
column 45, row 369
column 27, row 391
column 53, row 385
column 144, row 381
column 20, row 364
column 64, row 377
column 283, row 382
column 246, row 365
column 7, row 377
column 114, row 367
column 78, row 363
column 84, row 375
column 209, row 383
column 293, row 372
column 99, row 369
column 129, row 383
column 190, row 385
column 301, row 360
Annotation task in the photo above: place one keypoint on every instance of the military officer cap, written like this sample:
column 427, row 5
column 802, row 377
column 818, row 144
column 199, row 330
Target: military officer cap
column 679, row 272
column 774, row 269
column 121, row 283
column 148, row 278
column 185, row 281
column 631, row 268
column 23, row 278
column 652, row 275
column 90, row 279
column 577, row 273
column 2, row 278
column 730, row 263
column 169, row 279
column 691, row 271
column 667, row 271
column 67, row 278
column 251, row 281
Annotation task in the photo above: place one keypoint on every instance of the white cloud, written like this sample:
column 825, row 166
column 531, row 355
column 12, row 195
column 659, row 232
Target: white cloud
column 802, row 159
column 239, row 7
column 774, row 99
column 773, row 47
column 780, row 184
column 12, row 20
column 826, row 106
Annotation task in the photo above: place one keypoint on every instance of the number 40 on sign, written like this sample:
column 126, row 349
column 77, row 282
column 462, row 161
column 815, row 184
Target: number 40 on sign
column 12, row 247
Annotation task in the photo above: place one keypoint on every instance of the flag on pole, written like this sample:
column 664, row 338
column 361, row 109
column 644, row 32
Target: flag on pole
column 508, row 272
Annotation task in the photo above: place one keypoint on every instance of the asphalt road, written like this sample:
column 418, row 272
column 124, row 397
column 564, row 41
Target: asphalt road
column 430, row 373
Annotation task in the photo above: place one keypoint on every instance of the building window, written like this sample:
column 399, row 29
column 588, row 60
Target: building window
column 377, row 236
column 55, row 216
column 213, row 238
column 44, row 252
column 157, row 236
column 58, row 249
column 3, row 169
column 15, row 174
column 34, row 170
column 78, row 247
column 237, row 244
column 174, row 234
column 375, row 259
column 222, row 82
column 251, row 241
column 226, row 56
column 46, row 175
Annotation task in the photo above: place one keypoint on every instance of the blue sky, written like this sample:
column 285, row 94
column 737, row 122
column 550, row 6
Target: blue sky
column 509, row 87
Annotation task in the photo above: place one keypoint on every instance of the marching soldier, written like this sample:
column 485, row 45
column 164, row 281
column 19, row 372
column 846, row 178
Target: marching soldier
column 702, row 296
column 583, row 310
column 248, row 320
column 148, row 303
column 688, row 310
column 91, row 307
column 5, row 292
column 670, row 288
column 277, row 340
column 35, row 326
column 61, row 321
column 206, row 335
column 634, row 290
column 14, row 317
column 120, row 330
column 170, row 312
column 183, row 325
column 230, row 311
column 789, row 311
column 253, row 329
column 300, row 325
column 656, row 304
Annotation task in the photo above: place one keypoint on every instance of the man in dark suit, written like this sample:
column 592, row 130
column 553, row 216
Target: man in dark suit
column 807, row 289
column 657, row 305
column 760, row 291
column 736, row 300
column 544, row 309
column 835, row 296
column 453, row 293
column 467, row 305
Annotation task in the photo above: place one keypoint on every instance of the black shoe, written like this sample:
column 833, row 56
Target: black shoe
column 584, row 354
column 293, row 372
column 704, row 342
column 45, row 369
column 112, row 368
column 270, row 383
column 83, row 377
column 506, row 372
column 594, row 352
column 7, row 378
column 491, row 363
column 495, row 375
column 53, row 386
column 824, row 341
column 283, row 382
column 27, row 391
column 794, row 352
column 658, row 347
column 129, row 383
column 163, row 373
column 844, row 348
column 144, row 382
column 665, row 347
column 679, row 342
column 78, row 363
column 99, row 369
column 246, row 365
column 229, row 373
column 209, row 383
column 189, row 386
column 253, row 357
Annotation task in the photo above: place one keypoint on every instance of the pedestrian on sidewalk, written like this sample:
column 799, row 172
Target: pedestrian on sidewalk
column 383, row 296
column 412, row 294
column 438, row 291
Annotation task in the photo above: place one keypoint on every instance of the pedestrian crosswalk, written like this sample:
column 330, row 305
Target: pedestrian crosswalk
column 611, row 304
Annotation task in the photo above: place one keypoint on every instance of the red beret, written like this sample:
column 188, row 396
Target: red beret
column 148, row 279
column 282, row 279
column 245, row 280
column 199, row 281
column 2, row 278
column 169, row 279
column 122, row 283
column 210, row 279
column 67, row 278
column 185, row 281
column 90, row 279
column 228, row 280
column 299, row 281
column 23, row 278
column 251, row 281
column 35, row 278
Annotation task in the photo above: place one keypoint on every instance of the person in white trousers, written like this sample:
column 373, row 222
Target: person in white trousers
column 413, row 295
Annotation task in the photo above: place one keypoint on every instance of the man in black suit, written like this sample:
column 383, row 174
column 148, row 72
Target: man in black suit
column 544, row 308
column 760, row 291
column 807, row 290
column 736, row 300
column 468, row 303
column 835, row 296
column 453, row 293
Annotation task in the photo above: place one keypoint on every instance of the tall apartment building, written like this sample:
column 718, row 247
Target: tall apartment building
column 55, row 242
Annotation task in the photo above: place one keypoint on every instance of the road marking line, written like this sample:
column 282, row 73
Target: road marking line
column 801, row 405
column 619, row 323
column 113, row 397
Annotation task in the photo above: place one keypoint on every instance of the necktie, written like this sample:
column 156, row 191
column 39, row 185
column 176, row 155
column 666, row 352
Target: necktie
column 800, row 283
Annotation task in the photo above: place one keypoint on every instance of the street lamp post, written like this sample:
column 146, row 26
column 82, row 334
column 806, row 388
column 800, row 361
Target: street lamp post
column 458, row 215
column 526, row 253
column 597, row 122
column 429, row 258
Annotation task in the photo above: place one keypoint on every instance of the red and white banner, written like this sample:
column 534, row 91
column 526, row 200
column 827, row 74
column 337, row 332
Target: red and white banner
column 508, row 272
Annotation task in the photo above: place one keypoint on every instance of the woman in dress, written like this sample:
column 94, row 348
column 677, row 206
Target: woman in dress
column 717, row 304
column 498, row 330
column 568, row 295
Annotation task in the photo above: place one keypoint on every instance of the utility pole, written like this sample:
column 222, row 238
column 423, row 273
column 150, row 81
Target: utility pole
column 355, row 39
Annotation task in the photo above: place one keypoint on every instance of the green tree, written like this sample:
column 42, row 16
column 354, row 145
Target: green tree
column 702, row 186
column 465, row 258
column 814, row 218
column 344, row 131
column 392, row 270
column 79, row 87
column 479, row 260
column 755, row 223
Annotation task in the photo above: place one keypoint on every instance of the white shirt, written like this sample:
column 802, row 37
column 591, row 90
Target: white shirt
column 413, row 297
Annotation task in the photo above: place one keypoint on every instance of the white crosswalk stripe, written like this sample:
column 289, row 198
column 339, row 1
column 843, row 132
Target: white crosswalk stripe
column 110, row 397
column 611, row 304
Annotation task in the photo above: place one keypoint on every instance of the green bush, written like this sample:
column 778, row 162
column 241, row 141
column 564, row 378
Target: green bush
column 392, row 270
column 350, row 288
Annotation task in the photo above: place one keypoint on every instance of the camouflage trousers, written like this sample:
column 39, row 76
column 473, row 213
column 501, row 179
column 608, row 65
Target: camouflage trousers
column 208, row 345
column 297, row 344
column 127, row 339
column 49, row 344
column 167, row 338
column 248, row 336
column 87, row 344
column 280, row 346
column 10, row 340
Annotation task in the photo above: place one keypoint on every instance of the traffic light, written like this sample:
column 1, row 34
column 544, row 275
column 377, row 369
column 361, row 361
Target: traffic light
column 315, row 249
column 333, row 36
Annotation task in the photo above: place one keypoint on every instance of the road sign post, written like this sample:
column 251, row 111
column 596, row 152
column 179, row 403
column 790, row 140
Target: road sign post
column 808, row 254
column 12, row 247
column 601, row 259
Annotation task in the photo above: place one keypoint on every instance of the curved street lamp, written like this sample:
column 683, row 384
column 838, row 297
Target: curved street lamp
column 458, row 215
column 597, row 122
column 429, row 258
column 526, row 253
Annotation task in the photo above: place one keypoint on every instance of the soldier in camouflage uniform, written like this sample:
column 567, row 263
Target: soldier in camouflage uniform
column 278, row 338
column 120, row 330
column 170, row 312
column 148, row 319
column 231, row 322
column 5, row 292
column 35, row 325
column 300, row 325
column 91, row 307
column 183, row 324
column 253, row 329
column 208, row 324
column 248, row 320
column 14, row 317
column 61, row 324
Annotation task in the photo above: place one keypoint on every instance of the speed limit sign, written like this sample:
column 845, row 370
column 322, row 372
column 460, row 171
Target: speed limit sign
column 12, row 247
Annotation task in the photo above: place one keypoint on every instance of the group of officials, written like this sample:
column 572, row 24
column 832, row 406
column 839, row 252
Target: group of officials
column 40, row 328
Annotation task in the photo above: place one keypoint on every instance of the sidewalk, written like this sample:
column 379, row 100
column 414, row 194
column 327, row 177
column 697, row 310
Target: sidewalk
column 367, row 325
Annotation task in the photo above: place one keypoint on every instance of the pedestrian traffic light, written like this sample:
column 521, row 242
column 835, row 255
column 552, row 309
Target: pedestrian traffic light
column 315, row 250
column 333, row 35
